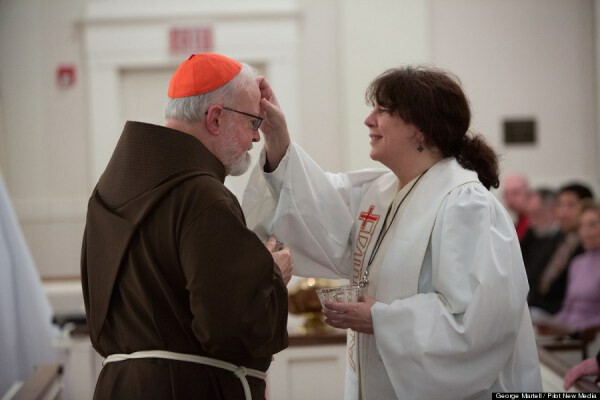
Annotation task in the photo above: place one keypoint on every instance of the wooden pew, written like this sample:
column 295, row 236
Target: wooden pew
column 581, row 343
column 560, row 368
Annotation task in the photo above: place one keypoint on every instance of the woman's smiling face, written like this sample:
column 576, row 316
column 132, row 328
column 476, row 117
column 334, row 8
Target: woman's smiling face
column 391, row 137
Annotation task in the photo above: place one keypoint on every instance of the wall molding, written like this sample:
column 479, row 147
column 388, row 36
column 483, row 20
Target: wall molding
column 144, row 11
column 242, row 31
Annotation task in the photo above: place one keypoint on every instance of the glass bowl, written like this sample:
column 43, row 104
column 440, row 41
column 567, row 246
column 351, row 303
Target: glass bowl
column 341, row 294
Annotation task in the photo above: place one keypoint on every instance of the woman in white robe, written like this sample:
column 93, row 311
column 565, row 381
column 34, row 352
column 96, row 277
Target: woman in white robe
column 445, row 315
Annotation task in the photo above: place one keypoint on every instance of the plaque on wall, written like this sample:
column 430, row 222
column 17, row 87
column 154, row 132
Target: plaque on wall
column 520, row 131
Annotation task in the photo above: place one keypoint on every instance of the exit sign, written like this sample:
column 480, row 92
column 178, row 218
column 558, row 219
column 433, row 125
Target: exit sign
column 191, row 40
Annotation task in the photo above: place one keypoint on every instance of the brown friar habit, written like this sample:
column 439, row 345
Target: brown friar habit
column 169, row 264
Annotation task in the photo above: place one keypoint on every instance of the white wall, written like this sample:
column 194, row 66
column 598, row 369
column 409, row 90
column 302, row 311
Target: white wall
column 376, row 35
column 321, row 77
column 515, row 57
column 527, row 58
column 44, row 159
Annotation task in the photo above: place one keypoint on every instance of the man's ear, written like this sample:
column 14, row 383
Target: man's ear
column 214, row 119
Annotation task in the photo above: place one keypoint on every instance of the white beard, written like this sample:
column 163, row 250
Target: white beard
column 241, row 165
column 234, row 166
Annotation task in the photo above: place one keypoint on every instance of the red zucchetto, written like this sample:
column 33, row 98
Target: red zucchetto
column 202, row 73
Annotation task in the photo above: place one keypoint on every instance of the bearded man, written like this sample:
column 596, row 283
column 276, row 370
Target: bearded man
column 182, row 299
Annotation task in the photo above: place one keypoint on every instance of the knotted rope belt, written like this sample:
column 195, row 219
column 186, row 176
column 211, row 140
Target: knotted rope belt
column 240, row 372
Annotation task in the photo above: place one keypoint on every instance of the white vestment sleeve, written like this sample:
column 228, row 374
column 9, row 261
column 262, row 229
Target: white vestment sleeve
column 310, row 210
column 454, row 342
column 26, row 329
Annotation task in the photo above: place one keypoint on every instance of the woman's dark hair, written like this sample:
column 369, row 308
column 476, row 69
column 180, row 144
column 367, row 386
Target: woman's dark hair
column 589, row 204
column 433, row 101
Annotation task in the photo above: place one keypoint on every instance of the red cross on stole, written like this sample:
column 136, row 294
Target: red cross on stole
column 368, row 216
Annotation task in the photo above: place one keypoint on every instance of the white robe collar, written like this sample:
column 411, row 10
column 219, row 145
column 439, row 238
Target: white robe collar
column 412, row 234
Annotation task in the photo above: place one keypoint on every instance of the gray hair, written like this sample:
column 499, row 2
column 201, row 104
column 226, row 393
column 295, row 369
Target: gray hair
column 192, row 108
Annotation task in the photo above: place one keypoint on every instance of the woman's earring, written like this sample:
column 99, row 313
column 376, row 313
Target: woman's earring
column 420, row 148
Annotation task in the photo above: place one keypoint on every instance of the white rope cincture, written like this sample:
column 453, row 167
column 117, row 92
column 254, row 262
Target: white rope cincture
column 238, row 371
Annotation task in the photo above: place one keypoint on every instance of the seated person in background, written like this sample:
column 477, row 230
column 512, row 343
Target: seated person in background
column 581, row 307
column 541, row 211
column 548, row 292
column 588, row 367
column 543, row 233
column 516, row 193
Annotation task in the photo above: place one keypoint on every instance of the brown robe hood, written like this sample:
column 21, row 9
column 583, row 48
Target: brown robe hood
column 136, row 185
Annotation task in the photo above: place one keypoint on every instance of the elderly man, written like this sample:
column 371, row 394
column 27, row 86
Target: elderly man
column 516, row 194
column 182, row 299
